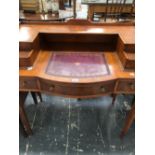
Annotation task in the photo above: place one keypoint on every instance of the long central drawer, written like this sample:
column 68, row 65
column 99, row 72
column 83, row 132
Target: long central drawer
column 77, row 90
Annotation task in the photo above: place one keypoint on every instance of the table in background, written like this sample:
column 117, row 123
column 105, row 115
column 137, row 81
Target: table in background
column 101, row 6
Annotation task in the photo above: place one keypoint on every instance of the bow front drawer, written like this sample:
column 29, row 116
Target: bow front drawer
column 71, row 90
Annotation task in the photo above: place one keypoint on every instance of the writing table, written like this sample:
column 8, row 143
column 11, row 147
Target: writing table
column 75, row 61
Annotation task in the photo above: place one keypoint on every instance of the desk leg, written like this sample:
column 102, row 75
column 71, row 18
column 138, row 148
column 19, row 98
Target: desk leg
column 39, row 94
column 130, row 118
column 34, row 96
column 22, row 129
column 113, row 98
column 22, row 114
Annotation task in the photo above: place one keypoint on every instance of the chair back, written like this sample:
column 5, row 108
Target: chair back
column 115, row 6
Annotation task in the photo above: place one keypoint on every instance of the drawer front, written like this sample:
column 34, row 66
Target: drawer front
column 77, row 91
column 126, row 86
column 28, row 84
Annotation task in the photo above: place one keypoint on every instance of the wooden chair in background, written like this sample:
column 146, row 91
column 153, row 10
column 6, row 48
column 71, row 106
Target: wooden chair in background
column 130, row 14
column 114, row 9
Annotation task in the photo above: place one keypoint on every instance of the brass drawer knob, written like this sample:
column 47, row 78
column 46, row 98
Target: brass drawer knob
column 132, row 86
column 51, row 88
column 103, row 89
column 24, row 83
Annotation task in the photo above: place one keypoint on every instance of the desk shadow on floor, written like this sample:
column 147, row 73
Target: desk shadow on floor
column 64, row 126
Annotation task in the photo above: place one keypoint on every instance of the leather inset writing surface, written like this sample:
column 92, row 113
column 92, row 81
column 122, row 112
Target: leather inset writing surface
column 77, row 64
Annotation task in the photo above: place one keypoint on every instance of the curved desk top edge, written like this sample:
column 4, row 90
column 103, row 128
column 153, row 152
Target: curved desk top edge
column 28, row 33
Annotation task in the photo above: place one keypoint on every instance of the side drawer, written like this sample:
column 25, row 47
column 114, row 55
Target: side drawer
column 77, row 90
column 28, row 84
column 125, row 86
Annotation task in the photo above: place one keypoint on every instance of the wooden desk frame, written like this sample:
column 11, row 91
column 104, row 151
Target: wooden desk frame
column 41, row 40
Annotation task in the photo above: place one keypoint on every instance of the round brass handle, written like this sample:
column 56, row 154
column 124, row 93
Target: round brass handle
column 51, row 88
column 103, row 89
column 132, row 86
column 24, row 83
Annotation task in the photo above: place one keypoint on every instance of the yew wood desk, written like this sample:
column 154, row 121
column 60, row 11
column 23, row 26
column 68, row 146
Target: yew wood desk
column 75, row 61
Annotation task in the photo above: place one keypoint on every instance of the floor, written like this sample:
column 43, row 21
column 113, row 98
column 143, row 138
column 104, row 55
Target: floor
column 64, row 126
